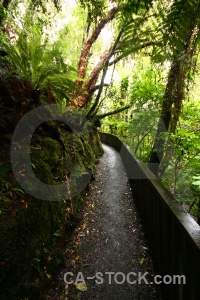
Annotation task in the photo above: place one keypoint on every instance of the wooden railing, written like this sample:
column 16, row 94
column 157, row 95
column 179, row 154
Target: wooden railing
column 173, row 235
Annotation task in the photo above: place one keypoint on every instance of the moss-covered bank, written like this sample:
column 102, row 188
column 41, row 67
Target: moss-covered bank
column 33, row 232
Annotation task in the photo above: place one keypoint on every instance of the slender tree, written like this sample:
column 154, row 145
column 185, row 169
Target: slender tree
column 182, row 42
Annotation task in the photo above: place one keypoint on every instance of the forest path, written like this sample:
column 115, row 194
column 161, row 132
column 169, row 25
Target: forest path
column 109, row 239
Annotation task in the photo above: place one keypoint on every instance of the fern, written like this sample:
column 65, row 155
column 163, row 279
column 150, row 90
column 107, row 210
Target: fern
column 182, row 18
column 37, row 61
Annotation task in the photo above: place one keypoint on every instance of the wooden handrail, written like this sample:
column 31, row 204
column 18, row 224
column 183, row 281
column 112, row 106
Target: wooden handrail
column 173, row 235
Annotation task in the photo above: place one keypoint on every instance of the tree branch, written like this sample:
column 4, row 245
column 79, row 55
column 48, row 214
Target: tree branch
column 96, row 87
column 104, row 74
column 138, row 144
column 147, row 44
column 113, row 112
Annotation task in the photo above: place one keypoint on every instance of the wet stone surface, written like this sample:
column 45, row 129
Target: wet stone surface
column 109, row 240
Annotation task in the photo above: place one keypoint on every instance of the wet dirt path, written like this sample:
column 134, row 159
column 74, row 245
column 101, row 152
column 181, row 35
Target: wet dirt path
column 109, row 240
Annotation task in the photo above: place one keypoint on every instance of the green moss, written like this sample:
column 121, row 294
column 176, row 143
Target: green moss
column 52, row 148
column 29, row 239
column 43, row 172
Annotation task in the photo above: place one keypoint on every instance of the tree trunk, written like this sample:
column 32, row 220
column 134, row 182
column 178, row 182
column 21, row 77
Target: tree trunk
column 176, row 111
column 171, row 108
column 86, row 95
column 164, row 120
column 82, row 99
column 178, row 99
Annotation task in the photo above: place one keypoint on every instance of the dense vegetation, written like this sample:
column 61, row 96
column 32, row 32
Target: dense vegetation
column 129, row 67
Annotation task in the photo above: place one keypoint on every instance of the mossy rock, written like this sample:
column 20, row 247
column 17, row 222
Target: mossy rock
column 27, row 232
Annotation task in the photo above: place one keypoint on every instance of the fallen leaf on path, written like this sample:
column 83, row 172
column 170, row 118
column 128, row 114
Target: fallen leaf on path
column 141, row 261
column 81, row 287
column 82, row 234
column 145, row 248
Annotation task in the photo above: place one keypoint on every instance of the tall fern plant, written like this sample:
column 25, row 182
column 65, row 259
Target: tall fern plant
column 39, row 62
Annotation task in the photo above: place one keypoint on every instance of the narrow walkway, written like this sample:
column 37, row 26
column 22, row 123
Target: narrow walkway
column 110, row 239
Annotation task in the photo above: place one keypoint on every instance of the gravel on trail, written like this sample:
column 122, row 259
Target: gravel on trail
column 110, row 240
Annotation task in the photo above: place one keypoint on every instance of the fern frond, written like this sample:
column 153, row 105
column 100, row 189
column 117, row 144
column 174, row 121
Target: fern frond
column 37, row 62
